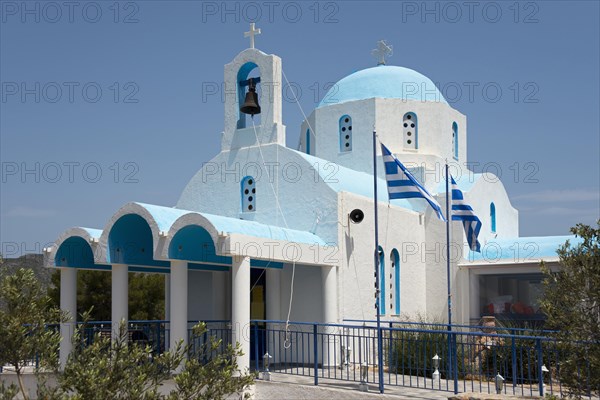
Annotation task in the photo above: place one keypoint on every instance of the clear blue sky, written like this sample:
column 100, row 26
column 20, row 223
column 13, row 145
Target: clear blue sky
column 153, row 126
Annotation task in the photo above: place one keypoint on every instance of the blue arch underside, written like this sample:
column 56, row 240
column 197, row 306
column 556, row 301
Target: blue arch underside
column 194, row 244
column 74, row 252
column 130, row 242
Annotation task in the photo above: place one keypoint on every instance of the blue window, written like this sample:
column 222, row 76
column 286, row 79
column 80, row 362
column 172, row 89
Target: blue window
column 395, row 263
column 455, row 140
column 248, row 194
column 410, row 129
column 307, row 141
column 381, row 281
column 493, row 216
column 345, row 133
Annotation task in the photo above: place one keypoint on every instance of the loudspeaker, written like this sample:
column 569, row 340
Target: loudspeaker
column 357, row 216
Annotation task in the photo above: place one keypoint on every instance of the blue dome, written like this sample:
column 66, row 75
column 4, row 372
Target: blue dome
column 385, row 82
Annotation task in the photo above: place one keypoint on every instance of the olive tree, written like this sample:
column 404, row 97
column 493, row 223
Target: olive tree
column 122, row 369
column 28, row 329
column 571, row 302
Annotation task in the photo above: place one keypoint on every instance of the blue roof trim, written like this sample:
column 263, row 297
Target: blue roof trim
column 166, row 216
column 149, row 270
column 522, row 249
column 361, row 183
column 207, row 267
column 93, row 232
column 265, row 264
column 465, row 182
column 383, row 81
column 251, row 228
column 99, row 267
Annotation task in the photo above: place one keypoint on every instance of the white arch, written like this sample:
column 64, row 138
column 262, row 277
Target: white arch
column 90, row 235
column 191, row 218
column 129, row 208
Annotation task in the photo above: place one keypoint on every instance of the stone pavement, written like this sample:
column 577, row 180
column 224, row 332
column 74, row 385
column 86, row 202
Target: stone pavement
column 285, row 386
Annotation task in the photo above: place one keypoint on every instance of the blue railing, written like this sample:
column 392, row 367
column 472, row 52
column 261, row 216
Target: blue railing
column 470, row 360
column 455, row 327
column 470, row 357
column 152, row 333
column 219, row 330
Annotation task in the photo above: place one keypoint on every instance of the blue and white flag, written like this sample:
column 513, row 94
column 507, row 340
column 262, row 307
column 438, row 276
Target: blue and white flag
column 402, row 184
column 461, row 211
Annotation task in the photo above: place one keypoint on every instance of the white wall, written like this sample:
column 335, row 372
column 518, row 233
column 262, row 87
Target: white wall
column 307, row 304
column 303, row 196
column 489, row 189
column 398, row 228
column 434, row 129
column 200, row 291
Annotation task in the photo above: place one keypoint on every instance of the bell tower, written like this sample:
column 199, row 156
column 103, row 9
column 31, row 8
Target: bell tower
column 253, row 99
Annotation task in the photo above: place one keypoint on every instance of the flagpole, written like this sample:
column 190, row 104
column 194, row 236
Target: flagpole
column 448, row 218
column 451, row 349
column 377, row 288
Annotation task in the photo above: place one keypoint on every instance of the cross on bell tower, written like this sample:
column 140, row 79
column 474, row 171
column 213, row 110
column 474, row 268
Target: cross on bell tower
column 251, row 34
column 382, row 51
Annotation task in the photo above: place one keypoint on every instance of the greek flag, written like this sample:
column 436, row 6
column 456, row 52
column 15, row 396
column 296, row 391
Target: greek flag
column 402, row 185
column 461, row 211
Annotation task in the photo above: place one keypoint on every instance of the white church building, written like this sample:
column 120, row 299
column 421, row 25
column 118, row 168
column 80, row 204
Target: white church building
column 263, row 231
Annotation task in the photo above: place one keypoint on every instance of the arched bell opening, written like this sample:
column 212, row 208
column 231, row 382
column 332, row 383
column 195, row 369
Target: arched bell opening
column 249, row 90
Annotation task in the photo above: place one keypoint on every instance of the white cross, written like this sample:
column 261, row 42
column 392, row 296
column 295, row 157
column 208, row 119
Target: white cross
column 381, row 52
column 251, row 34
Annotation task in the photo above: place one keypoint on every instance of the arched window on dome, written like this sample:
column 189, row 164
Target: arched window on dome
column 307, row 141
column 455, row 140
column 248, row 188
column 345, row 133
column 493, row 216
column 395, row 281
column 411, row 131
column 381, row 280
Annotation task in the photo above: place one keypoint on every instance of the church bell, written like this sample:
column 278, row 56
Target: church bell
column 250, row 105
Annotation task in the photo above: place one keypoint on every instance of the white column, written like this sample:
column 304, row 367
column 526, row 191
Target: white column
column 68, row 303
column 120, row 296
column 179, row 303
column 219, row 295
column 273, row 303
column 240, row 308
column 329, row 279
column 329, row 298
column 167, row 297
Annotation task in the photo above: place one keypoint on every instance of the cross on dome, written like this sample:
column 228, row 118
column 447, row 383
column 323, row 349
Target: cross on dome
column 251, row 34
column 382, row 51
